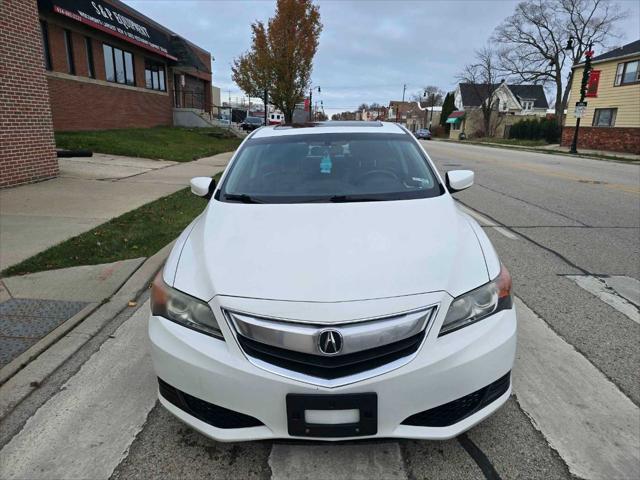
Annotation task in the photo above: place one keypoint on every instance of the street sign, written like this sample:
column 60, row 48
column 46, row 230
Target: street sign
column 580, row 108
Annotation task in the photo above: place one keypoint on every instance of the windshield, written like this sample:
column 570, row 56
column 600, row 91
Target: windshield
column 329, row 168
column 253, row 120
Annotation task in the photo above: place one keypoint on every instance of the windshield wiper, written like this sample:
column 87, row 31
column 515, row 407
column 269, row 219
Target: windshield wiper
column 354, row 198
column 241, row 197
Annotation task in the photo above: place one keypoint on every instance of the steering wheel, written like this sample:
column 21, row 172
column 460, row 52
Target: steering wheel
column 377, row 173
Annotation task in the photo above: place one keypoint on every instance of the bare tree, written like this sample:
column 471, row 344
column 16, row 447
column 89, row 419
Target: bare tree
column 482, row 76
column 433, row 96
column 533, row 40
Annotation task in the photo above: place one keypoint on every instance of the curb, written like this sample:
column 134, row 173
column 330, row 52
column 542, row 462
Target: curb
column 28, row 371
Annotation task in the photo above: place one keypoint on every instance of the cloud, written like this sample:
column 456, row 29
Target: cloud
column 368, row 49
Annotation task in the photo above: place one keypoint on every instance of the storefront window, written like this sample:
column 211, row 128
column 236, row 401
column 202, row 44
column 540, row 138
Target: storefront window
column 71, row 66
column 89, row 48
column 118, row 65
column 154, row 75
column 45, row 44
column 108, row 63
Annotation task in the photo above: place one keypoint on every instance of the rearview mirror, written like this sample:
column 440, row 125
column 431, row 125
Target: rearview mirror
column 203, row 186
column 459, row 180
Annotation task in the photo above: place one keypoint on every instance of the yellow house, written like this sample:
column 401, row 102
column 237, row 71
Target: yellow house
column 611, row 120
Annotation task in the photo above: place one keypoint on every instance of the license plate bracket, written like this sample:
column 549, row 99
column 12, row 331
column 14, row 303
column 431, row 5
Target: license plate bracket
column 367, row 403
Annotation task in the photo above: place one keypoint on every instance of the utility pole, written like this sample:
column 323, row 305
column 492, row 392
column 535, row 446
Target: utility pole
column 311, row 117
column 404, row 89
column 583, row 91
column 266, row 99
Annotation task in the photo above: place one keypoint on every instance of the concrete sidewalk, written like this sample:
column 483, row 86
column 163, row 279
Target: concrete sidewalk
column 88, row 192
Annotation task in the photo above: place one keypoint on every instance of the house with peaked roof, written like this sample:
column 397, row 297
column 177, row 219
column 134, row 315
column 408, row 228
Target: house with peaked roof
column 511, row 102
column 611, row 120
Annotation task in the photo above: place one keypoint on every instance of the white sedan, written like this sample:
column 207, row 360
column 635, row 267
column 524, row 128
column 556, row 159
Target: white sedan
column 332, row 290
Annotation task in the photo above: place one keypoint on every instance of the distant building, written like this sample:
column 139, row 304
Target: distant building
column 512, row 102
column 611, row 120
column 215, row 101
column 422, row 116
column 398, row 111
column 373, row 113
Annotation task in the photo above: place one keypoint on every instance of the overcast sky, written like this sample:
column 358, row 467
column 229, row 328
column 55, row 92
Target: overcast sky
column 368, row 48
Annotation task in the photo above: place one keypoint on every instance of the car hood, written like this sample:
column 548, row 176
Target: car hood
column 330, row 252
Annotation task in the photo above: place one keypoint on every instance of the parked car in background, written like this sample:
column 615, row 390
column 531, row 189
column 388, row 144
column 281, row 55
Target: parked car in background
column 423, row 134
column 276, row 118
column 251, row 123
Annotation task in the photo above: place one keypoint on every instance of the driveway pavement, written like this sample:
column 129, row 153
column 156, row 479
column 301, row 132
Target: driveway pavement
column 88, row 192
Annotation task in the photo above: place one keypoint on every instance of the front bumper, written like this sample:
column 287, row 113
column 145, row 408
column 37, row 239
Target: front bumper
column 444, row 370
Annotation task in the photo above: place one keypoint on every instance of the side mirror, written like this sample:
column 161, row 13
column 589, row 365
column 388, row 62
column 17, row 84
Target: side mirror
column 203, row 186
column 459, row 180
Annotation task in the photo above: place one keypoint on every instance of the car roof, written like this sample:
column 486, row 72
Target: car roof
column 329, row 127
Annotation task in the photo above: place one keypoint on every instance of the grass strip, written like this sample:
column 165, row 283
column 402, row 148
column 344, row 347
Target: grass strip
column 167, row 143
column 138, row 233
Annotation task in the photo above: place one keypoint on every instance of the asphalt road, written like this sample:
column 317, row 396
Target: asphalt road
column 568, row 230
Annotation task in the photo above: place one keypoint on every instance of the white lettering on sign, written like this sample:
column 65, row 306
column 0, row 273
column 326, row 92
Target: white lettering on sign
column 121, row 19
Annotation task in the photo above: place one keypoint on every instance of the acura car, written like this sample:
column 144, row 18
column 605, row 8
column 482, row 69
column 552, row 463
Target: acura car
column 332, row 290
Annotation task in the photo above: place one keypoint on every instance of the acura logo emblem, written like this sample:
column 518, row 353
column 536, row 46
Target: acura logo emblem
column 330, row 342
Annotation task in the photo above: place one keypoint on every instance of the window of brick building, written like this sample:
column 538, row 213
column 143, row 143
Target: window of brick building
column 89, row 48
column 118, row 65
column 604, row 117
column 68, row 45
column 154, row 75
column 44, row 28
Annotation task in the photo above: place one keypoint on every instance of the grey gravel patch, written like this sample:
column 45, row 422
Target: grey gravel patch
column 24, row 321
column 10, row 348
column 168, row 449
column 356, row 461
column 446, row 459
column 515, row 448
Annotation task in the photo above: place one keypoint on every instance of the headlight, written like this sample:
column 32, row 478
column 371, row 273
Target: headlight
column 479, row 303
column 181, row 308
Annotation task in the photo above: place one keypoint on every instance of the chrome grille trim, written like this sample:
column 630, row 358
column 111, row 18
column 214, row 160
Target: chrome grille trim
column 357, row 337
column 431, row 313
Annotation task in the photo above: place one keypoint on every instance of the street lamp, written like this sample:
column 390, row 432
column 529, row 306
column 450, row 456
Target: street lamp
column 311, row 101
column 583, row 89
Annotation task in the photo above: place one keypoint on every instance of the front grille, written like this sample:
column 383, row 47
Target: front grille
column 214, row 415
column 336, row 366
column 452, row 412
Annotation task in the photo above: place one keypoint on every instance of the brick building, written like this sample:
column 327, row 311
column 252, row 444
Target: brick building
column 88, row 65
column 27, row 151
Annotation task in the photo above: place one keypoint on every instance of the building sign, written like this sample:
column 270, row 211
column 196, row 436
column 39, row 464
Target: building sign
column 105, row 17
column 580, row 108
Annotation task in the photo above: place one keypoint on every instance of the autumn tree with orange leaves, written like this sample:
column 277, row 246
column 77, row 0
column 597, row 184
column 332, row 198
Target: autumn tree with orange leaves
column 280, row 60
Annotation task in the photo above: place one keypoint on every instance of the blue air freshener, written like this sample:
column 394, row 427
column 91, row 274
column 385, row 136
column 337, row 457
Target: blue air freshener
column 326, row 164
